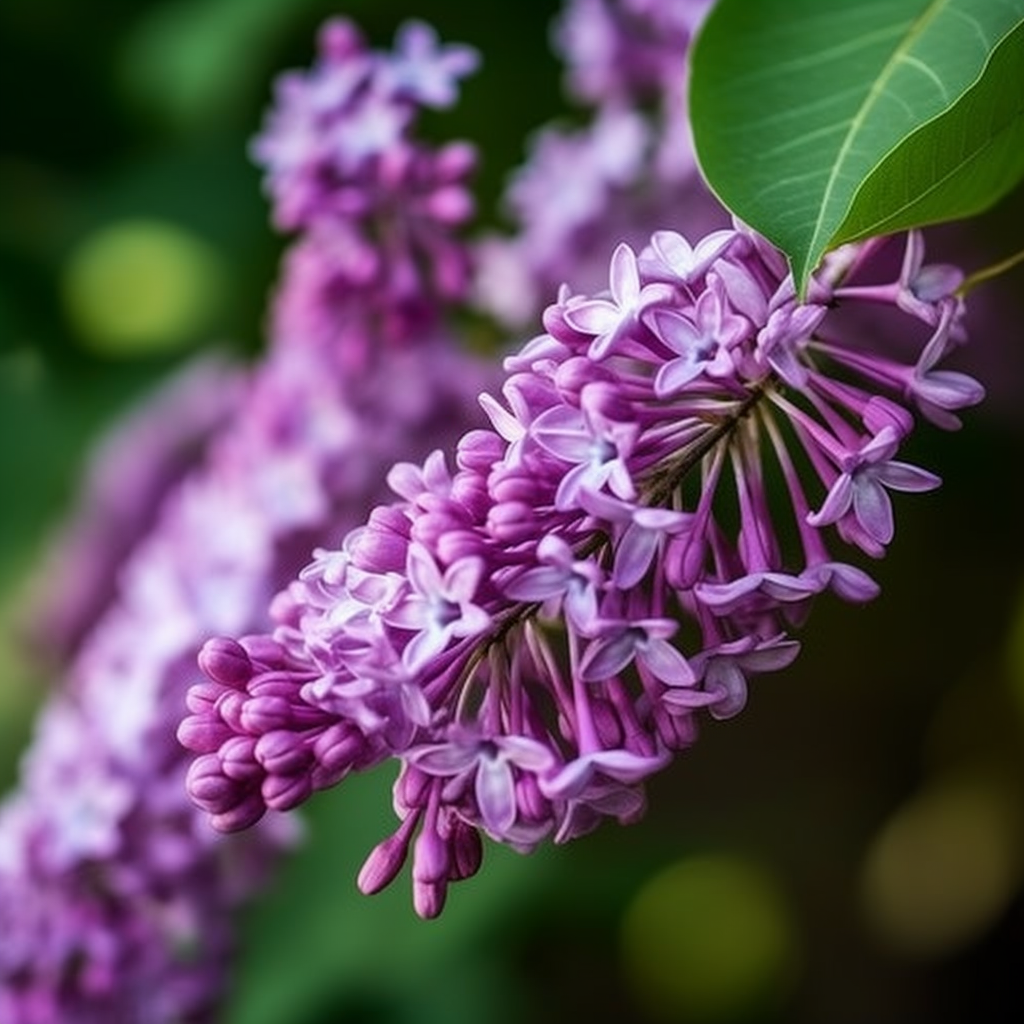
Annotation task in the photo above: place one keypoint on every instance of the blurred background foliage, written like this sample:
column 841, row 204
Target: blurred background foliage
column 851, row 848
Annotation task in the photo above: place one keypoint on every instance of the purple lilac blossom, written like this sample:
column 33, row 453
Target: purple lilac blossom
column 115, row 894
column 128, row 473
column 533, row 630
column 626, row 171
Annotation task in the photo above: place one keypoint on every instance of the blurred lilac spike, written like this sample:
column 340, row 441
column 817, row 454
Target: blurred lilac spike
column 115, row 894
column 627, row 172
column 336, row 148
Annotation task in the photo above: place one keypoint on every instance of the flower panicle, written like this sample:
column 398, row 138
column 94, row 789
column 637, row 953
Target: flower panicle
column 535, row 630
column 378, row 209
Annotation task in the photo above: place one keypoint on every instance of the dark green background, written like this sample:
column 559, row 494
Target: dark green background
column 111, row 110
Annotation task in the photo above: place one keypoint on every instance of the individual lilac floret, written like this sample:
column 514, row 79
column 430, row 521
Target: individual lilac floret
column 532, row 630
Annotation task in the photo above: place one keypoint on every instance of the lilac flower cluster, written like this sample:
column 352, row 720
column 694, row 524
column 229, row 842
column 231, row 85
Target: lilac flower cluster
column 338, row 147
column 130, row 470
column 115, row 895
column 532, row 633
column 625, row 172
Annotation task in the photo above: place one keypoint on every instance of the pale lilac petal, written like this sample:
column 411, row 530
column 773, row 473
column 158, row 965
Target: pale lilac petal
column 726, row 681
column 501, row 419
column 624, row 276
column 675, row 330
column 581, row 608
column 415, row 705
column 674, row 376
column 785, row 587
column 873, row 509
column 837, row 502
column 948, row 389
column 530, row 755
column 406, row 480
column 724, row 596
column 881, row 447
column 538, row 584
column 462, row 578
column 683, row 699
column 413, row 612
column 625, row 766
column 593, row 316
column 770, row 658
column 444, row 759
column 605, row 658
column 563, row 432
column 422, row 571
column 851, row 583
column 495, row 794
column 633, row 556
column 473, row 620
column 666, row 663
column 901, row 476
column 424, row 647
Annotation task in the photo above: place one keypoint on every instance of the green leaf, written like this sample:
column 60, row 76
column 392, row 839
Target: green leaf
column 957, row 164
column 796, row 103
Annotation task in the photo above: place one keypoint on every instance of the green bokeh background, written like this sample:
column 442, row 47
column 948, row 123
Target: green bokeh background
column 765, row 883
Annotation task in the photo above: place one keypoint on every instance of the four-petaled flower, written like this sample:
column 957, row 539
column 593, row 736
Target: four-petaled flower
column 620, row 641
column 487, row 761
column 702, row 344
column 440, row 607
column 611, row 320
column 597, row 444
column 861, row 487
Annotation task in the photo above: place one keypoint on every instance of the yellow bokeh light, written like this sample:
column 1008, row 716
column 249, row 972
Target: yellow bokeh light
column 139, row 286
column 942, row 868
column 709, row 939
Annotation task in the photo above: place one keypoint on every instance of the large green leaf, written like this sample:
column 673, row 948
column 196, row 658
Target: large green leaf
column 955, row 165
column 796, row 103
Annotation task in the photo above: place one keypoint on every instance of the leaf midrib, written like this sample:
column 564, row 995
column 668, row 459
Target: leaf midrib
column 874, row 94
